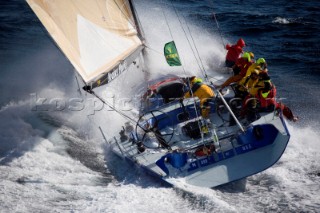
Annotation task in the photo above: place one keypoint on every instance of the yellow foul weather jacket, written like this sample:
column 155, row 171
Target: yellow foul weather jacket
column 204, row 92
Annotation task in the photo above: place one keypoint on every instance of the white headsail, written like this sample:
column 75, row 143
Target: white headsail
column 95, row 35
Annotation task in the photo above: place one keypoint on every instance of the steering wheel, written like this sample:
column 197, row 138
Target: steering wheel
column 149, row 125
column 234, row 103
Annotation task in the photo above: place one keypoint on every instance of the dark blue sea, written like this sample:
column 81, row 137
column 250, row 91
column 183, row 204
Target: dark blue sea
column 53, row 161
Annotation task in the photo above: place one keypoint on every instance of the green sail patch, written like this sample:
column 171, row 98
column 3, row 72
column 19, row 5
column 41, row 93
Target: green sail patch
column 171, row 54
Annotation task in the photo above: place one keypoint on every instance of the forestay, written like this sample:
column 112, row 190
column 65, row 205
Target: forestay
column 95, row 35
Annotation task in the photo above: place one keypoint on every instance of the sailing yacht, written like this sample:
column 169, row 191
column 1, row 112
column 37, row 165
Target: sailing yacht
column 171, row 139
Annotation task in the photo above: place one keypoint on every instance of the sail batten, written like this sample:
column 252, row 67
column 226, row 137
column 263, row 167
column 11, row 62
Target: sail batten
column 96, row 36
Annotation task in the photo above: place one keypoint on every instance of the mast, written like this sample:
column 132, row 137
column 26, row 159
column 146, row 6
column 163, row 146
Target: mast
column 136, row 21
column 142, row 38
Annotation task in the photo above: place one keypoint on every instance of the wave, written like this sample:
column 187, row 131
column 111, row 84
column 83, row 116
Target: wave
column 290, row 21
column 59, row 159
column 281, row 20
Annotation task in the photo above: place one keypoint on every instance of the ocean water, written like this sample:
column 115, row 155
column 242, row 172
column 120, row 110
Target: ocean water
column 54, row 159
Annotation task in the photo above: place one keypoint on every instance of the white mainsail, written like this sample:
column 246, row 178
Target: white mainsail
column 95, row 35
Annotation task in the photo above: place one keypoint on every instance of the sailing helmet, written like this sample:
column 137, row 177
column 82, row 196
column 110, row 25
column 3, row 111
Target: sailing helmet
column 261, row 61
column 194, row 80
column 247, row 56
column 241, row 43
column 197, row 80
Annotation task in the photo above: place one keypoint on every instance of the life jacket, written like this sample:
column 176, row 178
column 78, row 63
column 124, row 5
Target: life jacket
column 250, row 69
column 256, row 86
column 267, row 98
column 252, row 85
column 243, row 64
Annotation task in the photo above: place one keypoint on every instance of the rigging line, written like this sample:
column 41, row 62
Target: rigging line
column 202, row 134
column 165, row 17
column 194, row 101
column 185, row 33
column 117, row 111
column 191, row 93
column 214, row 15
column 154, row 50
column 216, row 79
column 217, row 23
column 195, row 46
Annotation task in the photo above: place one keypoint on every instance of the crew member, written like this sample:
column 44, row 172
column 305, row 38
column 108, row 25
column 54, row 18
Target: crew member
column 261, row 64
column 203, row 92
column 234, row 52
column 267, row 101
column 239, row 70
